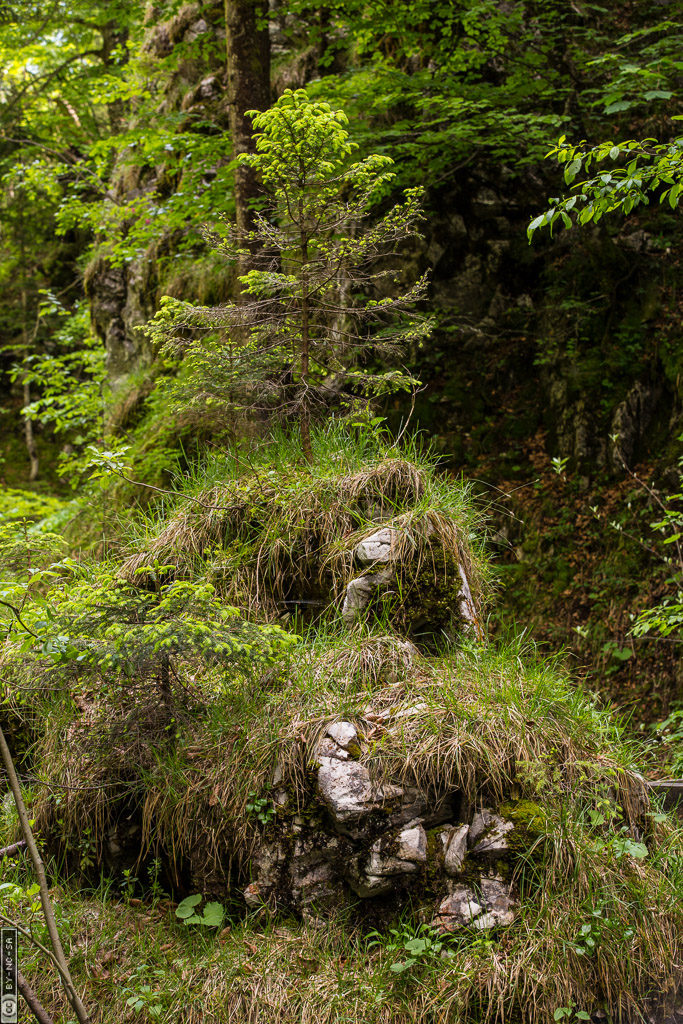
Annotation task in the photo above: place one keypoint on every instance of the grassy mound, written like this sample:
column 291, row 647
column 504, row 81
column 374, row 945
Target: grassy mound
column 599, row 875
column 276, row 535
column 157, row 745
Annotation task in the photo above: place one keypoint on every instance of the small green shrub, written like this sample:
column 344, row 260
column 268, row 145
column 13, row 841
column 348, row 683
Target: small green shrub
column 210, row 916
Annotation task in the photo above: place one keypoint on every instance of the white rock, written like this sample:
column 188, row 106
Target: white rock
column 408, row 851
column 411, row 712
column 485, row 921
column 412, row 845
column 465, row 602
column 358, row 595
column 487, row 833
column 381, row 866
column 328, row 750
column 455, row 848
column 378, row 547
column 346, row 788
column 499, row 900
column 196, row 30
column 365, row 881
column 457, row 910
column 375, row 885
column 343, row 733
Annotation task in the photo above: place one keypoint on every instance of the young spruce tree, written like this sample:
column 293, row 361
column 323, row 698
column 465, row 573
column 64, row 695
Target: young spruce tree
column 313, row 327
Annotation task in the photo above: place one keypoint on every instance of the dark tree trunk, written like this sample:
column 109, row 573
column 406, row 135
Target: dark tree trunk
column 248, row 59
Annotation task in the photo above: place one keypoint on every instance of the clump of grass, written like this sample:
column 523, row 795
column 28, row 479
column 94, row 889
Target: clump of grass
column 278, row 969
column 267, row 533
column 490, row 725
column 481, row 723
column 367, row 660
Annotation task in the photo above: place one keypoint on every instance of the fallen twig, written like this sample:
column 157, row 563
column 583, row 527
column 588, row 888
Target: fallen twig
column 9, row 851
column 32, row 1001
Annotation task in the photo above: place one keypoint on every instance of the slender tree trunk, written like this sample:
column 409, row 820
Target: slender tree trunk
column 10, row 851
column 39, row 869
column 114, row 37
column 29, row 438
column 248, row 66
column 32, row 1001
column 305, row 418
column 28, row 423
column 165, row 682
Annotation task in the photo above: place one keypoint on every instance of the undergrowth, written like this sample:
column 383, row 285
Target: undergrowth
column 159, row 719
column 492, row 725
column 273, row 533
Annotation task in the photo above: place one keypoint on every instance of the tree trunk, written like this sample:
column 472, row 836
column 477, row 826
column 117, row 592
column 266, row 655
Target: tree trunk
column 29, row 437
column 305, row 416
column 35, row 1006
column 248, row 65
column 28, row 423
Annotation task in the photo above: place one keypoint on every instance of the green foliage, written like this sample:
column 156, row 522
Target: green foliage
column 211, row 915
column 569, row 1013
column 670, row 733
column 120, row 629
column 445, row 88
column 666, row 617
column 308, row 335
column 261, row 808
column 638, row 171
column 423, row 944
column 29, row 506
column 596, row 931
column 142, row 992
column 130, row 229
column 73, row 390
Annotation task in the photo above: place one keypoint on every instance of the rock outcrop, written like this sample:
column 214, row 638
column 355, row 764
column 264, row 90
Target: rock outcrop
column 381, row 556
column 366, row 837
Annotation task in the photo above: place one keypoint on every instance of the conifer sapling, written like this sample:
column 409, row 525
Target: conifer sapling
column 313, row 322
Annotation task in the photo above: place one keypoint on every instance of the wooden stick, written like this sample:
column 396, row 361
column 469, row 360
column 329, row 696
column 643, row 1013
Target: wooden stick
column 32, row 939
column 39, row 869
column 9, row 851
column 32, row 1001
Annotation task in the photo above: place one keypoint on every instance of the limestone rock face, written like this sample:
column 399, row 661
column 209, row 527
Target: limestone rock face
column 455, row 848
column 412, row 844
column 344, row 734
column 465, row 602
column 487, row 834
column 457, row 910
column 327, row 749
column 379, row 553
column 399, row 854
column 499, row 900
column 346, row 788
column 410, row 851
column 360, row 591
column 362, row 835
column 378, row 547
column 493, row 907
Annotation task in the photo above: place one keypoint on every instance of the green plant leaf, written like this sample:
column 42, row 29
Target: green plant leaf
column 213, row 915
column 186, row 908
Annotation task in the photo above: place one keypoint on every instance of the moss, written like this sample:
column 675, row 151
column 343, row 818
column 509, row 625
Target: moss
column 531, row 827
column 432, row 600
column 425, row 603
